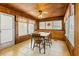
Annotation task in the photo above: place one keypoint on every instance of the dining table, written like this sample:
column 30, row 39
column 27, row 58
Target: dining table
column 42, row 35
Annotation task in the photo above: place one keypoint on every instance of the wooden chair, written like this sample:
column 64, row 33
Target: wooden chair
column 50, row 37
column 37, row 41
column 48, row 40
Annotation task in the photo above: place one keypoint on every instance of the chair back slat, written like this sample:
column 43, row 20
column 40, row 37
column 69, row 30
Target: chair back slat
column 36, row 36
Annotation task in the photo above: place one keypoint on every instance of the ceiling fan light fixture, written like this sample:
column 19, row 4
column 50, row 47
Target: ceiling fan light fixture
column 40, row 11
column 40, row 16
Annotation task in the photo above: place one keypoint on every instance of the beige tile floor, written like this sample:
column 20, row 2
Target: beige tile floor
column 58, row 48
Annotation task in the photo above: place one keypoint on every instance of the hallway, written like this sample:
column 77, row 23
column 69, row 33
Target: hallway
column 58, row 48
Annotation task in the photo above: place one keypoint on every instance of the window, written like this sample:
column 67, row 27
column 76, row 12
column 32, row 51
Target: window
column 25, row 26
column 55, row 24
column 42, row 25
column 69, row 26
column 49, row 25
column 22, row 26
column 70, row 29
column 31, row 27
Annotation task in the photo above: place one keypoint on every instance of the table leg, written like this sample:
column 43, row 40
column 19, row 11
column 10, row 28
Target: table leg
column 44, row 45
column 31, row 42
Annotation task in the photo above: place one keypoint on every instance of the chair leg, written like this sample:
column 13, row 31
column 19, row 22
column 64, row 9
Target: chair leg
column 39, row 48
column 33, row 45
column 49, row 44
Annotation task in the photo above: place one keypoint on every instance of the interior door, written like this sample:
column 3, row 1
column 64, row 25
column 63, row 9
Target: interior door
column 7, row 30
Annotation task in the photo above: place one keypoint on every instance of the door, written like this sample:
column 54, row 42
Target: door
column 7, row 30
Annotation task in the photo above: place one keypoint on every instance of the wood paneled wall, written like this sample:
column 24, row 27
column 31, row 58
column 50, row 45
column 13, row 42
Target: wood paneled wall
column 56, row 34
column 76, row 50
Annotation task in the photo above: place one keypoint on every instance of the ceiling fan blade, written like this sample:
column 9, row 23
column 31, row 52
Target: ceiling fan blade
column 45, row 12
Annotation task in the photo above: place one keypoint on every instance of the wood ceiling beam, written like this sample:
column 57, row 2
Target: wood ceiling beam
column 52, row 18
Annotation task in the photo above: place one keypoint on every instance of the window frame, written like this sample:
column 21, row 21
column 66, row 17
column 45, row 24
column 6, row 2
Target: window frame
column 28, row 21
column 52, row 26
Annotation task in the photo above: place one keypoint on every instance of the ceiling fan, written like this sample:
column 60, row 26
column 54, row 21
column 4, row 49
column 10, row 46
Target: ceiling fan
column 42, row 14
column 41, row 10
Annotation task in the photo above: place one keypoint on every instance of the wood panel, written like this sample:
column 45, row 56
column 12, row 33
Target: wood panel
column 52, row 18
column 20, row 39
column 76, row 51
column 56, row 34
